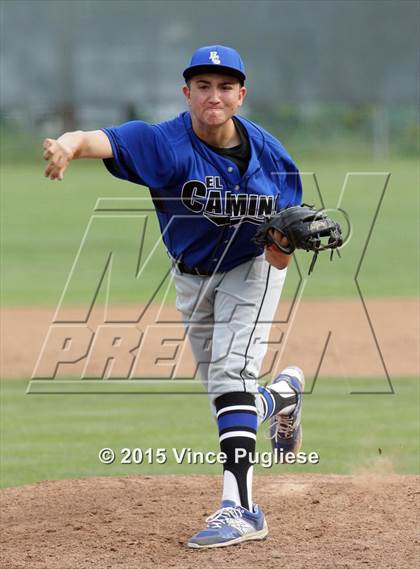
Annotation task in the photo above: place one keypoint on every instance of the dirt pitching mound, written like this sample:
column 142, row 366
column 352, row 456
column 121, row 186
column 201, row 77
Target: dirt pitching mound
column 143, row 522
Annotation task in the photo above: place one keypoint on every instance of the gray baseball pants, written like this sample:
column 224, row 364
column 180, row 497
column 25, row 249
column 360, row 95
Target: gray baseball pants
column 228, row 318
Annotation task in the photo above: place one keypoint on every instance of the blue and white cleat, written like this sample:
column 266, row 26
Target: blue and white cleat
column 286, row 428
column 230, row 525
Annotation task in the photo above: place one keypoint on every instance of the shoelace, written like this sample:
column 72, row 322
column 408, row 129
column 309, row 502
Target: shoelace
column 284, row 426
column 222, row 516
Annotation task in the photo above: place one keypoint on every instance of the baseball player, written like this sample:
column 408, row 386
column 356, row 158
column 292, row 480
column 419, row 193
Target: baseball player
column 214, row 177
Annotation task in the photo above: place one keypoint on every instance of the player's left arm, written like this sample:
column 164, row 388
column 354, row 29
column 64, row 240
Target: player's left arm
column 273, row 255
column 292, row 194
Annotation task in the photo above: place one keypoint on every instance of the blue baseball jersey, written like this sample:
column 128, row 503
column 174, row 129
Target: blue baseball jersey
column 208, row 213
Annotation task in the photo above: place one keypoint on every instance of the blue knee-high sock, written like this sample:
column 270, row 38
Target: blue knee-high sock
column 276, row 398
column 237, row 421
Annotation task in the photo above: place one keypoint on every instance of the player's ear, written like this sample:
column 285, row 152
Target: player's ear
column 186, row 91
column 242, row 95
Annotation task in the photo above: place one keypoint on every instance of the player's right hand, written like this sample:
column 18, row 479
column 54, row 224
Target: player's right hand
column 58, row 156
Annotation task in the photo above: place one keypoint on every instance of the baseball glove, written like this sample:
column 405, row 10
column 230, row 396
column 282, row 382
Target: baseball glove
column 304, row 227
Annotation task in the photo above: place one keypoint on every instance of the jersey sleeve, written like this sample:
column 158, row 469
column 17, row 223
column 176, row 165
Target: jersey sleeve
column 141, row 154
column 290, row 184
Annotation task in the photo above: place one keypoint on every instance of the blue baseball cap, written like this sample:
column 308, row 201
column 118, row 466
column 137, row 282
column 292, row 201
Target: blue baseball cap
column 216, row 59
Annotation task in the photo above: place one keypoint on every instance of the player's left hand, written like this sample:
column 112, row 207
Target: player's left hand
column 304, row 227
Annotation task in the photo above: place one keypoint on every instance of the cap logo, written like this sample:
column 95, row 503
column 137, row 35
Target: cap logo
column 214, row 56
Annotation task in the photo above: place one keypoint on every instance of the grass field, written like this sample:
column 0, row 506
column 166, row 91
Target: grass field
column 44, row 222
column 59, row 436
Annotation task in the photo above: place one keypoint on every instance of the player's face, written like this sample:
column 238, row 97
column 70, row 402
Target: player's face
column 213, row 99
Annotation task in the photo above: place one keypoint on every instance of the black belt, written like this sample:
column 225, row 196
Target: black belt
column 183, row 268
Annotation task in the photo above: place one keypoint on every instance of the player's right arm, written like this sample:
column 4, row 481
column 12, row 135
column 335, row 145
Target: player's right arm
column 72, row 145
